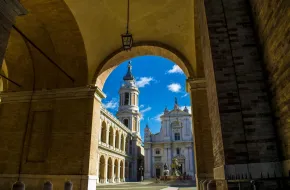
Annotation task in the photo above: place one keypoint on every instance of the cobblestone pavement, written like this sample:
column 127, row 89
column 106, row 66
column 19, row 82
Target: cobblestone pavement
column 143, row 186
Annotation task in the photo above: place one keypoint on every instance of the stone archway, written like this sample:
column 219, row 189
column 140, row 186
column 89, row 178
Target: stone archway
column 102, row 168
column 104, row 132
column 195, row 86
column 116, row 170
column 187, row 28
column 140, row 49
column 122, row 170
column 110, row 170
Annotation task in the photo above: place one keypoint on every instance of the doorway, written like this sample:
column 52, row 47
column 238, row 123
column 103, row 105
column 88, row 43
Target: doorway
column 158, row 172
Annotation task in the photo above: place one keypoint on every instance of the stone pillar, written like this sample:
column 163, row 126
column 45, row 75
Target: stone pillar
column 147, row 160
column 106, row 171
column 98, row 168
column 9, row 11
column 124, row 168
column 107, row 134
column 71, row 121
column 114, row 139
column 119, row 171
column 119, row 147
column 202, row 137
column 113, row 171
column 124, row 143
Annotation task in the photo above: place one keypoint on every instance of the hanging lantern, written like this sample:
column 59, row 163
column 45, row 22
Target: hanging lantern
column 127, row 39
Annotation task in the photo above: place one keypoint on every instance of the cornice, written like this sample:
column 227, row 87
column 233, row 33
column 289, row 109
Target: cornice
column 195, row 84
column 53, row 94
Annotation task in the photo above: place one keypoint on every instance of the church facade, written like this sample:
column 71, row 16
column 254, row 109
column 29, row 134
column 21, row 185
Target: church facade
column 174, row 141
column 120, row 147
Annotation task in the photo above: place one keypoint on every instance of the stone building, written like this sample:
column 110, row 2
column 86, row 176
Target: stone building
column 174, row 141
column 56, row 55
column 120, row 150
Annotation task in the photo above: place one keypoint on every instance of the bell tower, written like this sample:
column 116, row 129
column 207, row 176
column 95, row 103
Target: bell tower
column 128, row 112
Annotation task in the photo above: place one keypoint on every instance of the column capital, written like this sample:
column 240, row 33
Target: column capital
column 195, row 84
column 99, row 94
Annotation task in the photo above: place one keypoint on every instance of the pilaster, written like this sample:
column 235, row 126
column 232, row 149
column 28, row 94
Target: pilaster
column 202, row 131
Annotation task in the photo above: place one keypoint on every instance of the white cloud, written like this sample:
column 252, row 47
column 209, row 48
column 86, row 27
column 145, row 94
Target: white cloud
column 141, row 106
column 157, row 117
column 143, row 111
column 186, row 94
column 143, row 81
column 112, row 104
column 188, row 107
column 174, row 87
column 175, row 69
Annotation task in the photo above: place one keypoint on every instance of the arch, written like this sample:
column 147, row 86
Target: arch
column 102, row 166
column 122, row 142
column 140, row 49
column 62, row 43
column 121, row 169
column 116, row 169
column 110, row 169
column 111, row 136
column 117, row 144
column 104, row 132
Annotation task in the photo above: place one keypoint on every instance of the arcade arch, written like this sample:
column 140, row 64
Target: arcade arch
column 104, row 132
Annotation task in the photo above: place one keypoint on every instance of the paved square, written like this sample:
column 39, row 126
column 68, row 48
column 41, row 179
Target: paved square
column 144, row 186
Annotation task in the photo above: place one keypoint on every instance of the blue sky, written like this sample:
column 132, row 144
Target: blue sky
column 159, row 81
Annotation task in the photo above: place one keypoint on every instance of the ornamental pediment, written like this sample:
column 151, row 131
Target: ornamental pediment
column 176, row 124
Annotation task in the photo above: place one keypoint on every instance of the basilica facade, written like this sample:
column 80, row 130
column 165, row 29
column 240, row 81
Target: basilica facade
column 120, row 150
column 174, row 141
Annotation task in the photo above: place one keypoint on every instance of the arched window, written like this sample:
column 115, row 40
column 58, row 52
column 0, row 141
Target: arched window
column 126, row 122
column 126, row 98
column 157, row 151
column 177, row 136
column 177, row 151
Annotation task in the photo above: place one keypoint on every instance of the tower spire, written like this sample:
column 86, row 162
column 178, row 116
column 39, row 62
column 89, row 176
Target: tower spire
column 175, row 103
column 129, row 75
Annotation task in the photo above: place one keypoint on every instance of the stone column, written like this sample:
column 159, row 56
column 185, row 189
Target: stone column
column 114, row 138
column 9, row 11
column 106, row 171
column 98, row 168
column 202, row 137
column 107, row 134
column 119, row 147
column 147, row 173
column 113, row 171
column 119, row 172
column 124, row 144
column 124, row 168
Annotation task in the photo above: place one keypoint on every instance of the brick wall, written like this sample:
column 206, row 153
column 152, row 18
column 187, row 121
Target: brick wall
column 273, row 26
column 245, row 114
